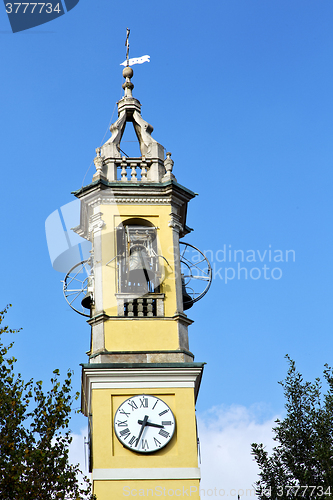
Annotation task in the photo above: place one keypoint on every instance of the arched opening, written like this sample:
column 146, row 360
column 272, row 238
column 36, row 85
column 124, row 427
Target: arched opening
column 138, row 262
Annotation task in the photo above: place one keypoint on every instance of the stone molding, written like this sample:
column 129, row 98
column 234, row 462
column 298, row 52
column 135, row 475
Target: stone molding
column 96, row 222
column 157, row 376
column 175, row 223
column 99, row 318
column 180, row 317
column 180, row 356
column 146, row 474
column 116, row 201
column 188, row 353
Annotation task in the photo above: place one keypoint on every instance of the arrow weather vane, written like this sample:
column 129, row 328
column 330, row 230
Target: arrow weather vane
column 127, row 45
column 134, row 60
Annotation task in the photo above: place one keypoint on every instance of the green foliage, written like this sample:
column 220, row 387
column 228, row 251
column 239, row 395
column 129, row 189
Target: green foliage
column 34, row 436
column 301, row 464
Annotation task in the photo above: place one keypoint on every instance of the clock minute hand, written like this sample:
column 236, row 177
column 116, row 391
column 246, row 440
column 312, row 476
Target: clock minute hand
column 151, row 424
column 144, row 423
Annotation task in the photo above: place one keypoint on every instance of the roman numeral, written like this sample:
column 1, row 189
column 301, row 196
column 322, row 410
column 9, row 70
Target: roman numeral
column 131, row 441
column 123, row 412
column 166, row 422
column 144, row 403
column 121, row 423
column 125, row 433
column 144, row 444
column 133, row 405
column 157, row 442
column 164, row 433
column 163, row 412
column 155, row 405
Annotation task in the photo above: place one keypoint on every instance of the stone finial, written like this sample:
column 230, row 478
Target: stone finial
column 98, row 161
column 168, row 165
column 127, row 72
column 128, row 86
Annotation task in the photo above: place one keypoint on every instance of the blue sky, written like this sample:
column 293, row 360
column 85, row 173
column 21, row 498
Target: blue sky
column 240, row 92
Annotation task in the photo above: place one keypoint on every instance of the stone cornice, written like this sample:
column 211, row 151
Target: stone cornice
column 182, row 318
column 139, row 187
column 102, row 192
column 99, row 318
column 138, row 376
column 143, row 352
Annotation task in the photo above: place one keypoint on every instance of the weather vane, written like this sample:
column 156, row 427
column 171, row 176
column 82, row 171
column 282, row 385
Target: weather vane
column 127, row 45
column 134, row 60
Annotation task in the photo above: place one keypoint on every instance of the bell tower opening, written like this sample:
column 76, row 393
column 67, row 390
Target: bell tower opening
column 138, row 266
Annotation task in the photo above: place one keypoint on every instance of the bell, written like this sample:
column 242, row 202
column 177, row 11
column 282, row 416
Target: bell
column 139, row 273
column 187, row 299
column 87, row 300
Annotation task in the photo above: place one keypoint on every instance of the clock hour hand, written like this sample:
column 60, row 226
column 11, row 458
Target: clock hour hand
column 151, row 424
column 143, row 425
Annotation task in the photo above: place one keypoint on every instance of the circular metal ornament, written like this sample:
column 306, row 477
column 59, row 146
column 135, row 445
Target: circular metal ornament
column 75, row 286
column 196, row 273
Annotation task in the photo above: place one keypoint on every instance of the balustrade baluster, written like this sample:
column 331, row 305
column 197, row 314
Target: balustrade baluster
column 133, row 173
column 130, row 308
column 123, row 169
column 150, row 307
column 140, row 307
column 143, row 166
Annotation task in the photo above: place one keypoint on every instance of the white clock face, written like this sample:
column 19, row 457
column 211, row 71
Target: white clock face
column 144, row 423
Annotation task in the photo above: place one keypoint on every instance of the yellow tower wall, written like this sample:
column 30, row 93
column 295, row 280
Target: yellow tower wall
column 181, row 452
column 158, row 488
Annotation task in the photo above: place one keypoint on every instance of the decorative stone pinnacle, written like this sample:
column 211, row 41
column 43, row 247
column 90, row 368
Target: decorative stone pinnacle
column 128, row 86
column 98, row 161
column 168, row 165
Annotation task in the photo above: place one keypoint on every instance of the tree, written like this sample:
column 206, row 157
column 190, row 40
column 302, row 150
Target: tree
column 34, row 435
column 301, row 464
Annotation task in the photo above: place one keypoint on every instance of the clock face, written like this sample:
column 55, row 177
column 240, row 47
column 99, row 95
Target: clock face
column 144, row 423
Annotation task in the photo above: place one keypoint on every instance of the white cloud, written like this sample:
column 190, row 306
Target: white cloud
column 226, row 434
column 78, row 452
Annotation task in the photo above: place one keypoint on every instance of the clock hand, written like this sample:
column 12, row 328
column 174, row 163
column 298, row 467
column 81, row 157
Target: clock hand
column 151, row 424
column 144, row 423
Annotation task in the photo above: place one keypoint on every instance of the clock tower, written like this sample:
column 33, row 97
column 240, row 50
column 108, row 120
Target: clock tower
column 141, row 382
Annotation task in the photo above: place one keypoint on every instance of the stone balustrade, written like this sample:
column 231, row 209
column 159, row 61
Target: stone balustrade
column 149, row 305
column 140, row 169
column 133, row 169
